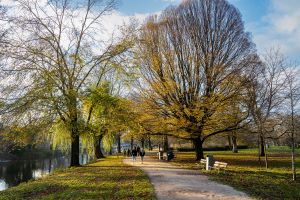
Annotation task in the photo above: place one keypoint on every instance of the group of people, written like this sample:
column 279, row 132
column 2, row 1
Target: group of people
column 136, row 151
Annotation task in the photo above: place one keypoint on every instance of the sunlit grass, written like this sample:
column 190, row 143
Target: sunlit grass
column 105, row 179
column 246, row 174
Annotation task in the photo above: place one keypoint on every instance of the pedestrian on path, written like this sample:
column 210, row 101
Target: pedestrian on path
column 138, row 149
column 128, row 153
column 134, row 154
column 142, row 154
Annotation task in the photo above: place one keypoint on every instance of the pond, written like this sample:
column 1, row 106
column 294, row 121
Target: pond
column 13, row 173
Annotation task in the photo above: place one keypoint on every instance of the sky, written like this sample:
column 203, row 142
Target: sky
column 272, row 23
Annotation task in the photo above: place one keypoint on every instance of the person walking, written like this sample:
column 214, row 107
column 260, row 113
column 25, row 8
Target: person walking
column 134, row 154
column 128, row 153
column 138, row 149
column 142, row 154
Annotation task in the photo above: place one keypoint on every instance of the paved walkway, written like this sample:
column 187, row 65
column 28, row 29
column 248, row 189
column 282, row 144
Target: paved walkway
column 172, row 183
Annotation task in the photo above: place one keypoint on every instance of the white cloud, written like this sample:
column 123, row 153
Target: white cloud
column 281, row 28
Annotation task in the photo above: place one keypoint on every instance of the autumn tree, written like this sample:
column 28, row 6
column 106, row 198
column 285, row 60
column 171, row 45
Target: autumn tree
column 54, row 53
column 194, row 59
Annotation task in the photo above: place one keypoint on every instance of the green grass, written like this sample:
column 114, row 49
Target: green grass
column 107, row 178
column 245, row 174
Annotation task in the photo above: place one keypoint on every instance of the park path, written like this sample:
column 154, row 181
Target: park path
column 173, row 183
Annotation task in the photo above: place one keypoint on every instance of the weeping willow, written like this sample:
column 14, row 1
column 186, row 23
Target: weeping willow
column 61, row 136
column 108, row 141
column 87, row 140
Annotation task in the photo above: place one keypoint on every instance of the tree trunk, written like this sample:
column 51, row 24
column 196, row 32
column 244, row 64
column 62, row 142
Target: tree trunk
column 234, row 144
column 75, row 150
column 149, row 144
column 293, row 140
column 98, row 151
column 166, row 143
column 293, row 161
column 131, row 143
column 119, row 143
column 266, row 156
column 229, row 141
column 143, row 143
column 198, row 148
column 258, row 146
column 262, row 146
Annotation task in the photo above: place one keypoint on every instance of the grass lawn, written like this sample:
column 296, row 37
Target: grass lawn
column 244, row 173
column 107, row 178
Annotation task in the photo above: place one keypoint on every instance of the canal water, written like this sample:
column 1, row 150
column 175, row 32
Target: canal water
column 13, row 173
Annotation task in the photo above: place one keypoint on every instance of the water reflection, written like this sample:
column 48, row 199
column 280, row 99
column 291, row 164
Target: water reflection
column 13, row 173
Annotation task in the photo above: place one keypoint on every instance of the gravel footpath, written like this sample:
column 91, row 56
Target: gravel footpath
column 172, row 183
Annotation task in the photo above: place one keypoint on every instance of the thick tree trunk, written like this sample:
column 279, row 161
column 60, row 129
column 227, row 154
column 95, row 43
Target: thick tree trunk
column 234, row 144
column 119, row 143
column 149, row 144
column 98, row 151
column 75, row 150
column 166, row 143
column 198, row 148
column 75, row 146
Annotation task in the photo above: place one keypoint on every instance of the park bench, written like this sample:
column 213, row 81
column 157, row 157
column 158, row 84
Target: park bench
column 219, row 166
column 201, row 163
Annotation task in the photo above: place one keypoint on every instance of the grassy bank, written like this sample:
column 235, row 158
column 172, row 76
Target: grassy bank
column 244, row 172
column 105, row 179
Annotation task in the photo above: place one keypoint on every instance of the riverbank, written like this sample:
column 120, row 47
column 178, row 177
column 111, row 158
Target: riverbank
column 107, row 178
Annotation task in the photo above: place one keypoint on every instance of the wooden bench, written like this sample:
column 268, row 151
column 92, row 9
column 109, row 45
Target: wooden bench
column 202, row 163
column 219, row 166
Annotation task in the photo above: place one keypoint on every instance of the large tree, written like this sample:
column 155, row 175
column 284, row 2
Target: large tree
column 194, row 59
column 54, row 53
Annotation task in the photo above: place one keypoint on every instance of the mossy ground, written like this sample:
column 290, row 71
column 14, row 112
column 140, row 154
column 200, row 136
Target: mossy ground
column 245, row 174
column 107, row 178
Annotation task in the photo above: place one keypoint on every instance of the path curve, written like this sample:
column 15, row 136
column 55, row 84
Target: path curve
column 173, row 183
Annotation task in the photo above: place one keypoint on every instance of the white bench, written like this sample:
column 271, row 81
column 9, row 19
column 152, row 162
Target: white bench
column 219, row 166
column 201, row 163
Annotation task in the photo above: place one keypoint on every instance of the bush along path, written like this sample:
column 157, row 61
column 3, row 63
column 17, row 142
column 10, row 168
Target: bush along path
column 172, row 183
column 107, row 178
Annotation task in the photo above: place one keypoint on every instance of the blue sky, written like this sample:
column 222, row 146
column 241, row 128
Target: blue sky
column 271, row 22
